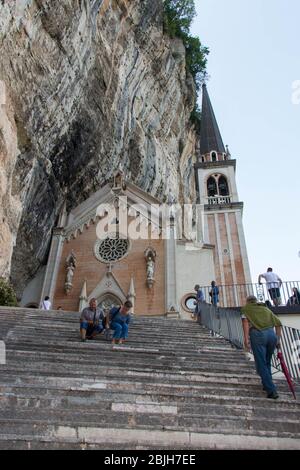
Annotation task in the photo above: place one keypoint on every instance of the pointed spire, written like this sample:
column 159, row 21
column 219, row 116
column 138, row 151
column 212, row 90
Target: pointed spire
column 83, row 297
column 211, row 138
column 83, row 294
column 131, row 293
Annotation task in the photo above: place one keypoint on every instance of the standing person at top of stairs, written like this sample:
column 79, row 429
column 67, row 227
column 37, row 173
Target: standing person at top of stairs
column 46, row 304
column 214, row 293
column 274, row 284
column 258, row 324
column 200, row 298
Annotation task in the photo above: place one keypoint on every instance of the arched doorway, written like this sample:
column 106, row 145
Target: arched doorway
column 108, row 301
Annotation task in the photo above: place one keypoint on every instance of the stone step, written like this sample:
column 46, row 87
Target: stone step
column 234, row 377
column 125, row 372
column 142, row 322
column 24, row 424
column 129, row 348
column 124, row 439
column 216, row 390
column 135, row 333
column 186, row 389
column 67, row 326
column 64, row 386
column 224, row 393
column 74, row 336
column 186, row 404
column 134, row 357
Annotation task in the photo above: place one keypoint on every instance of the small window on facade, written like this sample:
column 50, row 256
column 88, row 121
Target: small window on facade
column 223, row 186
column 212, row 189
column 190, row 303
column 214, row 157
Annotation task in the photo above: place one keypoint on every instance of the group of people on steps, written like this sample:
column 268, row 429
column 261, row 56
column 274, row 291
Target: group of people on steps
column 261, row 327
column 93, row 322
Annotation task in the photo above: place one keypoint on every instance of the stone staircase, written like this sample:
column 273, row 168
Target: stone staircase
column 171, row 386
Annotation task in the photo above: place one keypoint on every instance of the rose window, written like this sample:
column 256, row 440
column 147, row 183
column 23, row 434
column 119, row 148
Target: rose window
column 111, row 249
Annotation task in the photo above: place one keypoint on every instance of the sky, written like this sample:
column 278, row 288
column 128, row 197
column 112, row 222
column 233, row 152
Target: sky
column 254, row 63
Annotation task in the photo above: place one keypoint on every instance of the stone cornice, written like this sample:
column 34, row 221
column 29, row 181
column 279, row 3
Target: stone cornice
column 134, row 196
column 210, row 165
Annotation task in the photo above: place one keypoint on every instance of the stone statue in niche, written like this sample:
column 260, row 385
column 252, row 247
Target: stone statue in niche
column 70, row 269
column 150, row 268
column 70, row 274
column 150, row 255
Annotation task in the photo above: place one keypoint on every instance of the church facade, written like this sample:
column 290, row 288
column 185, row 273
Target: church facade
column 121, row 243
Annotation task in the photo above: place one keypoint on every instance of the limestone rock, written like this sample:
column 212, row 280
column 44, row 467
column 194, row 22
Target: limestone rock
column 92, row 84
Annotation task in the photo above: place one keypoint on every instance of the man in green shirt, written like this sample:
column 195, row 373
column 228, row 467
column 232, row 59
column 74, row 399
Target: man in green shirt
column 258, row 325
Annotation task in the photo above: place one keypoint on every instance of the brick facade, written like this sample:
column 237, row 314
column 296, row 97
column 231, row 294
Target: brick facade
column 148, row 301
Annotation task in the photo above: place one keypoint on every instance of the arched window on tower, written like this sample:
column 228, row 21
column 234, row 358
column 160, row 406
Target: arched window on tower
column 223, row 186
column 213, row 157
column 212, row 189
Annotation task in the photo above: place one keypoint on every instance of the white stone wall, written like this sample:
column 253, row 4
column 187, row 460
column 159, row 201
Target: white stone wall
column 194, row 266
column 293, row 321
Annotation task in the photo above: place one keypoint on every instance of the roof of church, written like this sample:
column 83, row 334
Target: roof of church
column 211, row 138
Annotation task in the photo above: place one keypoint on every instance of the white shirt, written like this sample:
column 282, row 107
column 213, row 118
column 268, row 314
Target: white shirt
column 273, row 281
column 46, row 305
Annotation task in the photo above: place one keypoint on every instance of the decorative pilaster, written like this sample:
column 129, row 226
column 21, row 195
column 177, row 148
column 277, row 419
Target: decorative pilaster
column 131, row 294
column 171, row 291
column 83, row 298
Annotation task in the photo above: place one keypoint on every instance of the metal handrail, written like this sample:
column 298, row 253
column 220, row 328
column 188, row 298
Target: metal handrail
column 218, row 200
column 227, row 322
column 235, row 295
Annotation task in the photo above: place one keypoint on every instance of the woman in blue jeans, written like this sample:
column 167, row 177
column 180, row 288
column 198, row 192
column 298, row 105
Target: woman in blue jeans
column 258, row 324
column 119, row 322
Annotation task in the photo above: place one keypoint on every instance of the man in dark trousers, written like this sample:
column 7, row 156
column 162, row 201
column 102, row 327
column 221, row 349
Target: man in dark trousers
column 214, row 293
column 200, row 298
column 92, row 321
column 258, row 325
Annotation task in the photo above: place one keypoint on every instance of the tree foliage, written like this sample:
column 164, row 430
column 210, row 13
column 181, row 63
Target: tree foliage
column 178, row 18
column 7, row 294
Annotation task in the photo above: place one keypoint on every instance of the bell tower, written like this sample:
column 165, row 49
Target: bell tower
column 223, row 211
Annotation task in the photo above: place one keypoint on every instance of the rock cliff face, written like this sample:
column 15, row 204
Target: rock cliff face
column 89, row 84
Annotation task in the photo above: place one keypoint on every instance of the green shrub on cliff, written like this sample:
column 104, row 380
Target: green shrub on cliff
column 178, row 18
column 7, row 295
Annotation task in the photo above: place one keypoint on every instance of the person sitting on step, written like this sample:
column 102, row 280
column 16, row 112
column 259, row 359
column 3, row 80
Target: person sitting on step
column 92, row 321
column 119, row 322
